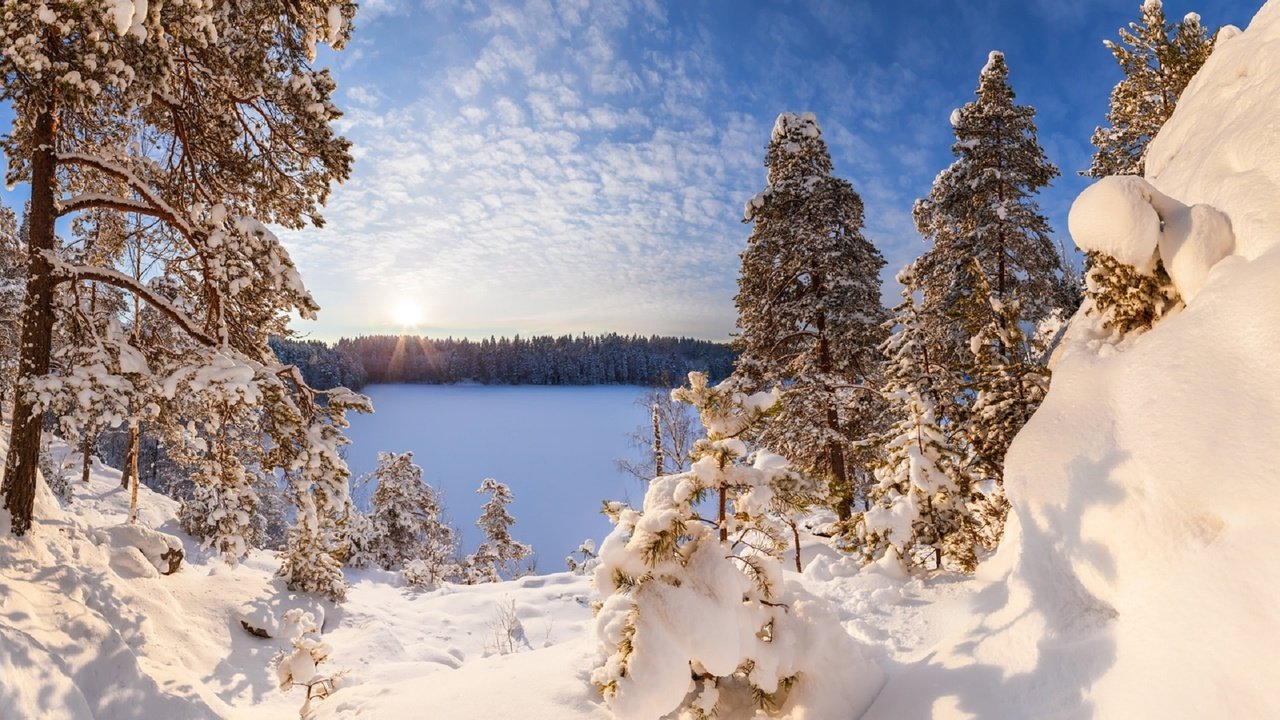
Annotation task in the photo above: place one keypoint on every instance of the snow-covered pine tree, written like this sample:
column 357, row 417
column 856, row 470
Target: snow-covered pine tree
column 683, row 598
column 408, row 525
column 500, row 554
column 809, row 305
column 991, row 250
column 982, row 208
column 1127, row 299
column 210, row 121
column 920, row 504
column 1158, row 58
column 309, row 442
column 13, row 269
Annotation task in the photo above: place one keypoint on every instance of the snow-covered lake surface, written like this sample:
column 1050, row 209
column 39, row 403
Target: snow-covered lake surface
column 555, row 447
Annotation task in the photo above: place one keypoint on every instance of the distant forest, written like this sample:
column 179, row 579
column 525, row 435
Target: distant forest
column 542, row 360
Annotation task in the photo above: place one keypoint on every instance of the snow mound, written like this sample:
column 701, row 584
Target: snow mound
column 1127, row 218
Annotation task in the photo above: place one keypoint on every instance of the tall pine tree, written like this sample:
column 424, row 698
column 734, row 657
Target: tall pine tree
column 207, row 120
column 1158, row 58
column 992, row 268
column 983, row 208
column 809, row 307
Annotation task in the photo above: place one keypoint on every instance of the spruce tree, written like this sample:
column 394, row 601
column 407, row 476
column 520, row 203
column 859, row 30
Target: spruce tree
column 809, row 312
column 1158, row 58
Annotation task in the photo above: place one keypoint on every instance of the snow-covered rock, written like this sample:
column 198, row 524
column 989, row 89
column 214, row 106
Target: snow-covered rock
column 162, row 551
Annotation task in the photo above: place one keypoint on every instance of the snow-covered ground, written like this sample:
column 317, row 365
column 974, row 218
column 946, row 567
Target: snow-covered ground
column 91, row 630
column 1135, row 580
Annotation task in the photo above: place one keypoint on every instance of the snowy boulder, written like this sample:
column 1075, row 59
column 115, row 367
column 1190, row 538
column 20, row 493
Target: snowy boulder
column 264, row 617
column 1127, row 218
column 1114, row 216
column 161, row 550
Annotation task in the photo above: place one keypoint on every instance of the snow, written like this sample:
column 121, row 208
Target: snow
column 1127, row 218
column 1136, row 577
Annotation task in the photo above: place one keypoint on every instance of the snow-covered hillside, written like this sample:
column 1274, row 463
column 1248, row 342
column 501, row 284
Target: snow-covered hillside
column 89, row 628
column 1140, row 574
column 1135, row 580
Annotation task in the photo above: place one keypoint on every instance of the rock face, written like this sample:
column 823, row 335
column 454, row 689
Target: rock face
column 163, row 551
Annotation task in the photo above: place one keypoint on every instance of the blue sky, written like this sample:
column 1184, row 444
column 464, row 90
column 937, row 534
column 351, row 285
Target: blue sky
column 549, row 166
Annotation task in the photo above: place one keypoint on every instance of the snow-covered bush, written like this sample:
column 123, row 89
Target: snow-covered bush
column 1126, row 299
column 693, row 621
column 586, row 559
column 406, row 527
column 298, row 664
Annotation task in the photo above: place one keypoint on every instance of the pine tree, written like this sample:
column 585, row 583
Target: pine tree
column 1158, row 58
column 209, row 121
column 808, row 304
column 499, row 553
column 922, row 496
column 991, row 270
column 982, row 208
column 753, row 635
column 408, row 524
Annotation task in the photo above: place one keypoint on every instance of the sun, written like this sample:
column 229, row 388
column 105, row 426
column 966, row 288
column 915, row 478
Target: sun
column 407, row 313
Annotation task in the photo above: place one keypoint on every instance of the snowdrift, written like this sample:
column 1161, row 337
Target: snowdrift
column 1139, row 573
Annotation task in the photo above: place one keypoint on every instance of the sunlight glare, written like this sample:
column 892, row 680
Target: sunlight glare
column 407, row 313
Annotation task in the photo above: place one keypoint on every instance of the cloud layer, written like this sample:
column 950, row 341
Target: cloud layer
column 567, row 166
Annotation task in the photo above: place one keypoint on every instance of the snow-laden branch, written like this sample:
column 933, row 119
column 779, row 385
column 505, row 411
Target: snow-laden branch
column 89, row 201
column 63, row 271
column 160, row 208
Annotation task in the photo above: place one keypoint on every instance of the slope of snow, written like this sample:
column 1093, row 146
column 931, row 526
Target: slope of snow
column 87, row 631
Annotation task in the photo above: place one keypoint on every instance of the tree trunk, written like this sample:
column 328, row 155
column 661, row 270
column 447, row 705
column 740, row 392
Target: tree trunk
column 795, row 533
column 835, row 454
column 720, row 517
column 130, row 457
column 657, row 444
column 22, row 463
column 86, row 448
column 131, row 469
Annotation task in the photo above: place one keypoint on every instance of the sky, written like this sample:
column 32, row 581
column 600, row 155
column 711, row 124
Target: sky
column 567, row 166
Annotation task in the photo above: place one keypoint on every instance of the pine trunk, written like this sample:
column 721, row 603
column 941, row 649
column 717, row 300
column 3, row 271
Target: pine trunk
column 835, row 453
column 130, row 457
column 86, row 453
column 22, row 463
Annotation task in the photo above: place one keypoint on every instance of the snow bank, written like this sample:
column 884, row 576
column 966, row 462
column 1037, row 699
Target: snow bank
column 1138, row 566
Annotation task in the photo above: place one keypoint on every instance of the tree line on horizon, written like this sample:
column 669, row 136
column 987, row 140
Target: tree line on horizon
column 608, row 359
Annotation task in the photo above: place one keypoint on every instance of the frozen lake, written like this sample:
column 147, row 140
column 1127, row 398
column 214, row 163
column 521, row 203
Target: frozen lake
column 555, row 446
